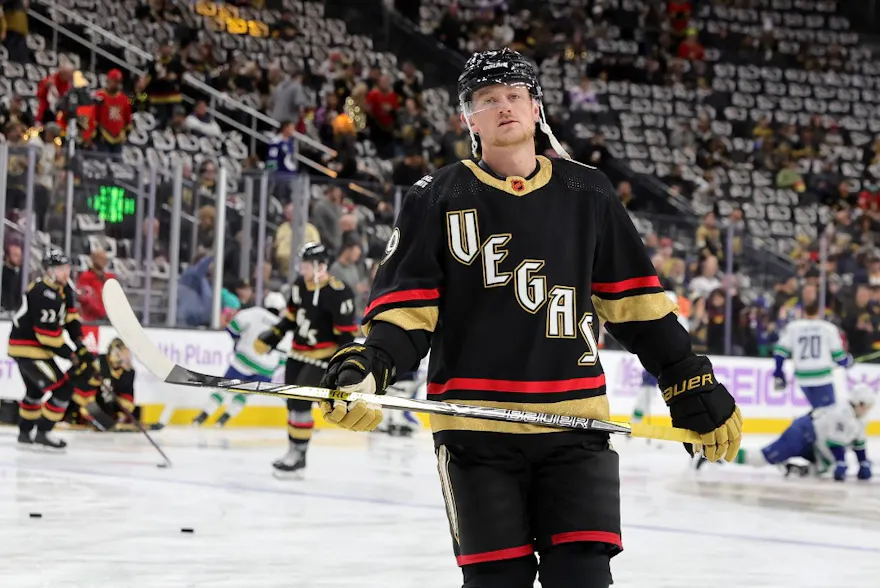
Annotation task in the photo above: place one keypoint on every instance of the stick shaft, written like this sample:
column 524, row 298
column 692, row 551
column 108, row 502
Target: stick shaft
column 141, row 428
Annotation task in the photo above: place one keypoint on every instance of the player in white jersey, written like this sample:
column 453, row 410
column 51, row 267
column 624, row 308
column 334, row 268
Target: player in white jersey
column 815, row 348
column 822, row 438
column 648, row 388
column 247, row 364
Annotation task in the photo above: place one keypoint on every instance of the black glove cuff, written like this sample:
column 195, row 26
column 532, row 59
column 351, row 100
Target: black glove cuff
column 687, row 377
column 396, row 345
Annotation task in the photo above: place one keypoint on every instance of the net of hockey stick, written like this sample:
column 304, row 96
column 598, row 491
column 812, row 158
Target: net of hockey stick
column 128, row 327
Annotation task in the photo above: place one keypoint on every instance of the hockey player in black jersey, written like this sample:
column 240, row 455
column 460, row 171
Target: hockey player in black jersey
column 48, row 308
column 320, row 313
column 503, row 267
column 101, row 399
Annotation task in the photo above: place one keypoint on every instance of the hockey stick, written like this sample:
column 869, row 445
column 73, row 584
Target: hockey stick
column 141, row 428
column 867, row 357
column 130, row 330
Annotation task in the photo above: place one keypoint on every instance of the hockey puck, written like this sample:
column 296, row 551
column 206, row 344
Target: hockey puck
column 161, row 465
column 36, row 515
column 186, row 530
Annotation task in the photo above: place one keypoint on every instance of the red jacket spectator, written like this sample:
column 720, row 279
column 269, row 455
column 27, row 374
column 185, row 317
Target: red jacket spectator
column 691, row 49
column 51, row 89
column 679, row 14
column 869, row 199
column 383, row 103
column 90, row 284
column 113, row 110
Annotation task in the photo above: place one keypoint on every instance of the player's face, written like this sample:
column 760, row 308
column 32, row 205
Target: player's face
column 61, row 273
column 504, row 116
column 307, row 269
column 861, row 409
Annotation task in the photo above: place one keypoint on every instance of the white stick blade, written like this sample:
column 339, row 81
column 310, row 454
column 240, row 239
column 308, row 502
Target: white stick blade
column 130, row 330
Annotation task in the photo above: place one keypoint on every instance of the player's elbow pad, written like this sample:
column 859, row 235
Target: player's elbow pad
column 847, row 361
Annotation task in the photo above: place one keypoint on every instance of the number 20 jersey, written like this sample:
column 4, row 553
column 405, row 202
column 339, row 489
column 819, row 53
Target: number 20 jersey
column 814, row 347
column 510, row 278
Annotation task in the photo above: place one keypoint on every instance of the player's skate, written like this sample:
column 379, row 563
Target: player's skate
column 292, row 466
column 44, row 440
column 25, row 441
column 796, row 470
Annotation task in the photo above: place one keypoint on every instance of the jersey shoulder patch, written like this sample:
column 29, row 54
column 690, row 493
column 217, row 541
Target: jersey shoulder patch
column 336, row 284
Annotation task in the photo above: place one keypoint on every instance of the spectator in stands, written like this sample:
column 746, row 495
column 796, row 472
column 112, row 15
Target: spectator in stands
column 289, row 98
column 16, row 111
column 383, row 104
column 112, row 114
column 10, row 297
column 324, row 216
column 283, row 149
column 413, row 126
column 52, row 89
column 244, row 291
column 583, row 96
column 90, row 285
column 409, row 84
column 14, row 29
column 50, row 159
column 411, row 168
column 455, row 144
column 595, row 152
column 350, row 268
column 201, row 122
column 691, row 49
column 284, row 244
column 790, row 178
column 705, row 283
column 708, row 237
column 627, row 198
column 162, row 83
column 194, row 294
column 177, row 124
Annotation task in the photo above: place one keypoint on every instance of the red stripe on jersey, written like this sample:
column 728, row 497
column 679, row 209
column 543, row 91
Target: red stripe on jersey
column 26, row 406
column 84, row 393
column 57, row 384
column 54, row 408
column 346, row 328
column 128, row 397
column 522, row 387
column 299, row 347
column 25, row 342
column 403, row 296
column 593, row 536
column 47, row 332
column 509, row 553
column 301, row 425
column 624, row 285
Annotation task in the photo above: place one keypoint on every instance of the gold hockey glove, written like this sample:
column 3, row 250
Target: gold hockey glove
column 268, row 340
column 362, row 369
column 699, row 403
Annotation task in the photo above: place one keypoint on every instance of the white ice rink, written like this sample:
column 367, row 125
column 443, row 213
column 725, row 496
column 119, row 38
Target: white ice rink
column 370, row 514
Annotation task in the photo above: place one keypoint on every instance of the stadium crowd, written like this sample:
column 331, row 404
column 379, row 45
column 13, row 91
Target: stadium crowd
column 342, row 102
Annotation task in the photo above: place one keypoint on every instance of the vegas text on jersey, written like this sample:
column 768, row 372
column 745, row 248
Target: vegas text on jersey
column 508, row 279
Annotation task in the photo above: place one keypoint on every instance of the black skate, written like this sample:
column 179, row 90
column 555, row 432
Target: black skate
column 224, row 418
column 290, row 467
column 197, row 422
column 793, row 469
column 400, row 430
column 44, row 441
column 24, row 440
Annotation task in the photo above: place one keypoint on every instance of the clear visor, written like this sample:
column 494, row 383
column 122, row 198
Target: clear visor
column 472, row 107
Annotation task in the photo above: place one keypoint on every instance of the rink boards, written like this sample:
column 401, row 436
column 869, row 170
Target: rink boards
column 750, row 380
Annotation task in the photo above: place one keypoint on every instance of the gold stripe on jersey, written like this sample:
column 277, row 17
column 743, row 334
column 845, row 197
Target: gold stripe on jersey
column 322, row 353
column 595, row 407
column 30, row 352
column 299, row 433
column 71, row 316
column 423, row 318
column 515, row 185
column 48, row 341
column 52, row 415
column 30, row 415
column 642, row 307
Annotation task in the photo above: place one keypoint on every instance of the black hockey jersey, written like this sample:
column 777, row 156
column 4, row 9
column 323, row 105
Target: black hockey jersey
column 106, row 386
column 507, row 280
column 37, row 328
column 318, row 331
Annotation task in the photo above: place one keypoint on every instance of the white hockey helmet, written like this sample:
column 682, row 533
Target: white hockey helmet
column 863, row 394
column 274, row 301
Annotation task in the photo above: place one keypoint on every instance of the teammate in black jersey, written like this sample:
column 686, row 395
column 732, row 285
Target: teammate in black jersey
column 37, row 337
column 109, row 390
column 504, row 267
column 320, row 313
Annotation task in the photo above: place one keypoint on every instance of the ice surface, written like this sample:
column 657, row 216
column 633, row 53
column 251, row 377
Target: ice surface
column 370, row 514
